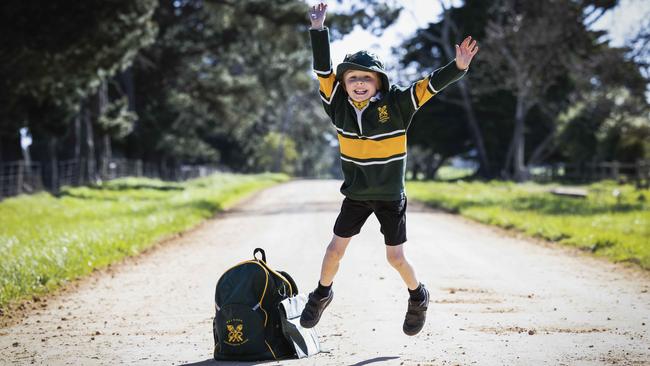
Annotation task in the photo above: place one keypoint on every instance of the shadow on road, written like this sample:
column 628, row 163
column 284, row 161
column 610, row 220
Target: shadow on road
column 376, row 359
column 212, row 362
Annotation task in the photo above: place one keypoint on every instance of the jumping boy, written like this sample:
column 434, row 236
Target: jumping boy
column 371, row 118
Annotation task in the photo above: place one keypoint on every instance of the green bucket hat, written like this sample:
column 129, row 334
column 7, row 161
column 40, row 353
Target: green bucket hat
column 364, row 61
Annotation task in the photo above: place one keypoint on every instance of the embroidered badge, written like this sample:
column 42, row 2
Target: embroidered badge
column 235, row 333
column 383, row 113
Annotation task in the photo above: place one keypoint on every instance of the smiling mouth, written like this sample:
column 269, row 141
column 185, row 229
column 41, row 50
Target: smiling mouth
column 360, row 92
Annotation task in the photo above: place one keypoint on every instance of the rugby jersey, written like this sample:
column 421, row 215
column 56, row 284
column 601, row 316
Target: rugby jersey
column 372, row 139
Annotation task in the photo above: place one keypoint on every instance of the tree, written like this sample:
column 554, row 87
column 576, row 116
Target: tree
column 433, row 46
column 540, row 72
column 224, row 74
column 56, row 55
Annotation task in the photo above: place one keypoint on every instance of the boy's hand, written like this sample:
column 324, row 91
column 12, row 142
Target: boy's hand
column 317, row 15
column 465, row 52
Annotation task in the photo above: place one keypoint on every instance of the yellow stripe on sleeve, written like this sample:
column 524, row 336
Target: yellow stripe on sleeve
column 422, row 92
column 327, row 84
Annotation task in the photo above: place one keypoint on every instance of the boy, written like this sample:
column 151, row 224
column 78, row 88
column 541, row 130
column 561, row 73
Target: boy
column 371, row 118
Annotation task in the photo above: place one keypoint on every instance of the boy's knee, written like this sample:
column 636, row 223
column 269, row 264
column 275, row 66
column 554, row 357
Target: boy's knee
column 396, row 258
column 336, row 248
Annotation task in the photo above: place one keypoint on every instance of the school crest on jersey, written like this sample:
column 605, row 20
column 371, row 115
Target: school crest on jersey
column 383, row 113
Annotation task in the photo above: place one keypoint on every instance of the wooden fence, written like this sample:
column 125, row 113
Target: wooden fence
column 17, row 177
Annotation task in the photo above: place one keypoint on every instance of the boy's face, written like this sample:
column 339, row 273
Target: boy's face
column 361, row 85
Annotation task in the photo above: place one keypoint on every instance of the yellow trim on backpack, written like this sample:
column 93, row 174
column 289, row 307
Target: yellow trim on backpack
column 281, row 277
column 273, row 353
column 266, row 284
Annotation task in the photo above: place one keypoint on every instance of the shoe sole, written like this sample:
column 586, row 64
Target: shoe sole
column 315, row 321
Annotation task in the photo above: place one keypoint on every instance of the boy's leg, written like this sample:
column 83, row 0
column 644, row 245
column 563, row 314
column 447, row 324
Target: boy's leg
column 397, row 259
column 333, row 255
column 320, row 298
column 392, row 217
column 349, row 222
column 418, row 303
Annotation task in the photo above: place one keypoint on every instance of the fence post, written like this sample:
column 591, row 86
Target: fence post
column 19, row 178
column 642, row 173
column 615, row 169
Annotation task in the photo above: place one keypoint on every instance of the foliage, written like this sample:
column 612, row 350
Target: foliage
column 543, row 81
column 227, row 75
column 46, row 241
column 206, row 80
column 276, row 153
column 55, row 54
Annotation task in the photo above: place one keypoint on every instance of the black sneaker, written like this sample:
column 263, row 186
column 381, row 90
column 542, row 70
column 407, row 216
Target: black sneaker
column 416, row 315
column 314, row 309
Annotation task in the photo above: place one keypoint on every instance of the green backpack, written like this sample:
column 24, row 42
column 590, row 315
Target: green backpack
column 247, row 325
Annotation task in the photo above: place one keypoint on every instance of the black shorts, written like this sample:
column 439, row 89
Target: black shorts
column 391, row 216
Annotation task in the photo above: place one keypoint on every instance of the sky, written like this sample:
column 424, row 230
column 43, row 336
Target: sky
column 621, row 22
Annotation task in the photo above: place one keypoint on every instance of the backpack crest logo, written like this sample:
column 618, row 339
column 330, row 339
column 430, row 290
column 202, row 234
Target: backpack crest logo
column 235, row 333
column 383, row 113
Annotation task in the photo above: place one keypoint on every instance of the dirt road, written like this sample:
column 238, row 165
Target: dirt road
column 496, row 299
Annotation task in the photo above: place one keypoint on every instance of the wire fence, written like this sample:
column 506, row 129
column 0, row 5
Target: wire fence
column 18, row 177
column 637, row 173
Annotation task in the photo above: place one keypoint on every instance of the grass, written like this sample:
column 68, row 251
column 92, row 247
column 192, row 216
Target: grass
column 616, row 227
column 46, row 241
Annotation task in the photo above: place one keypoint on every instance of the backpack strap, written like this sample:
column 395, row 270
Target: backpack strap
column 260, row 250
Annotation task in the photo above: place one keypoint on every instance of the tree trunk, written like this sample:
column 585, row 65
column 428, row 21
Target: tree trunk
column 129, row 86
column 415, row 171
column 484, row 169
column 90, row 143
column 505, row 172
column 519, row 143
column 540, row 151
column 107, row 156
column 54, row 163
column 435, row 165
column 102, row 99
column 77, row 136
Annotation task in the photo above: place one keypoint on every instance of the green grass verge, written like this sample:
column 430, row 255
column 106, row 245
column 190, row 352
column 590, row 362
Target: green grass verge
column 614, row 227
column 46, row 241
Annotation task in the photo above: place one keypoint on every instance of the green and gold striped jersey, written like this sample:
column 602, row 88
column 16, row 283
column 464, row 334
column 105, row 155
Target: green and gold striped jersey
column 372, row 136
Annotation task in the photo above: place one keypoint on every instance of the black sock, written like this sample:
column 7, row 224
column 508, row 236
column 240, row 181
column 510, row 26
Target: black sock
column 417, row 294
column 323, row 291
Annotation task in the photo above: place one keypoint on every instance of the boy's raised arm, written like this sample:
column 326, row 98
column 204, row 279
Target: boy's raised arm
column 320, row 41
column 422, row 90
column 320, row 45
